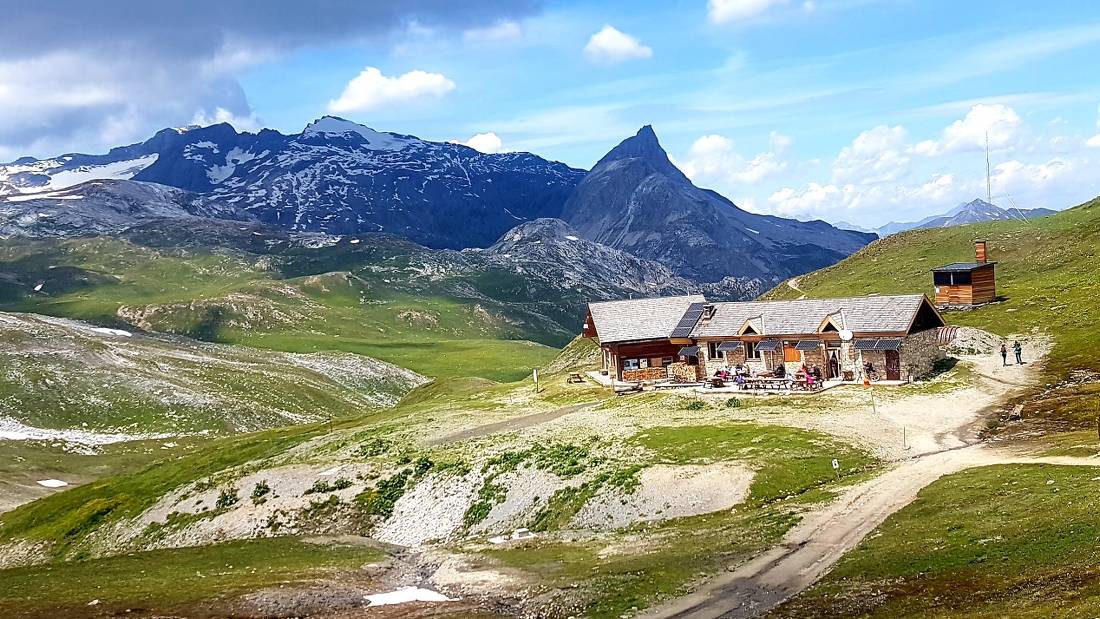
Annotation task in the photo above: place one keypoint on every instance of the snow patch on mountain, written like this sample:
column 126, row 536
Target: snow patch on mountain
column 377, row 140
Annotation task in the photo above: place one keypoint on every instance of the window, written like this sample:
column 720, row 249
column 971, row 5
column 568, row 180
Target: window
column 951, row 278
column 713, row 352
column 667, row 361
column 832, row 344
column 630, row 364
column 750, row 351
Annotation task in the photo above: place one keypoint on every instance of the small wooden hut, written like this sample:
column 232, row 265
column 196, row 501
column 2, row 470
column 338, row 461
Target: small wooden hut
column 966, row 284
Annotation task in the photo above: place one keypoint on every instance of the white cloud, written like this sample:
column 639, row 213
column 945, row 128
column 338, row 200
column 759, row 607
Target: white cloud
column 779, row 142
column 1000, row 122
column 484, row 142
column 725, row 11
column 507, row 30
column 875, row 156
column 611, row 46
column 1094, row 141
column 222, row 115
column 712, row 158
column 372, row 90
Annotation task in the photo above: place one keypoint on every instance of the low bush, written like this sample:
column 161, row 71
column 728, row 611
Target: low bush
column 227, row 498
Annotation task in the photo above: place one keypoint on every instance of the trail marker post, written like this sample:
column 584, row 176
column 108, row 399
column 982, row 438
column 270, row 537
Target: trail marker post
column 836, row 467
column 535, row 375
column 867, row 384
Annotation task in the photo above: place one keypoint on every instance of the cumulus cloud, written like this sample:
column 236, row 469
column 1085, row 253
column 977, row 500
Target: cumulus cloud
column 779, row 142
column 80, row 75
column 999, row 122
column 484, row 142
column 726, row 11
column 875, row 156
column 713, row 159
column 371, row 90
column 220, row 115
column 611, row 46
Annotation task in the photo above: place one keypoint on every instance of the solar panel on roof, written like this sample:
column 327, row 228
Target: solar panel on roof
column 865, row 344
column 808, row 345
column 688, row 351
column 729, row 346
column 891, row 343
column 768, row 345
column 687, row 323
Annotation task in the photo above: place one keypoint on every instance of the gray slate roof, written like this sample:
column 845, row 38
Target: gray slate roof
column 878, row 314
column 639, row 319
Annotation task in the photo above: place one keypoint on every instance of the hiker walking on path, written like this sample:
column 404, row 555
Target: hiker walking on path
column 1004, row 355
column 1019, row 350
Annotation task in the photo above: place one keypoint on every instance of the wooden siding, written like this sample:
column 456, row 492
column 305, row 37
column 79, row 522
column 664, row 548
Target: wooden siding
column 983, row 286
column 981, row 289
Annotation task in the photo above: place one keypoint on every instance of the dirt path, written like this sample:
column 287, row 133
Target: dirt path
column 940, row 437
column 792, row 283
column 511, row 424
column 810, row 549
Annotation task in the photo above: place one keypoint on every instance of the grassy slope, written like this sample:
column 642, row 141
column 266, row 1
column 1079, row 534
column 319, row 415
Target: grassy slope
column 997, row 541
column 177, row 581
column 62, row 375
column 1046, row 274
column 793, row 469
column 369, row 300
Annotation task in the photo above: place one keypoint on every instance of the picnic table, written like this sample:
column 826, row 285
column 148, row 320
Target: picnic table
column 763, row 383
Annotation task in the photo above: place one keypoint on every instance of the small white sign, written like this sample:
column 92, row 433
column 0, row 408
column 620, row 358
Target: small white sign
column 836, row 464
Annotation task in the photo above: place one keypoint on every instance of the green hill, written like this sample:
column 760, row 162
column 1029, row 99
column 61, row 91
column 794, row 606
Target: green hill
column 438, row 313
column 1047, row 281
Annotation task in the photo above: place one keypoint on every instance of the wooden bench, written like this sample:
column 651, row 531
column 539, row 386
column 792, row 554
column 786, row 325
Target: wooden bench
column 575, row 378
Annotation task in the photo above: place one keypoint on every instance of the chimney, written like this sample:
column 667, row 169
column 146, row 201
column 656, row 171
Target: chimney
column 980, row 254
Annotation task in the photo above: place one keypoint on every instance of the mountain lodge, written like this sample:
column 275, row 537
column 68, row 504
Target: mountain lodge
column 687, row 339
column 966, row 284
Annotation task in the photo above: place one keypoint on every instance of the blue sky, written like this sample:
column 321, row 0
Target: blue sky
column 858, row 110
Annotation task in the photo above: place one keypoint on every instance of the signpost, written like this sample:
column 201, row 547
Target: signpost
column 836, row 467
column 867, row 384
column 535, row 375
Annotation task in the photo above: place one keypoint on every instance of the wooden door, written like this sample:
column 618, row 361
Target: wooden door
column 791, row 354
column 893, row 365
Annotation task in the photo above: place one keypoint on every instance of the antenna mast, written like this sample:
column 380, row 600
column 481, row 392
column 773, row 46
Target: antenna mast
column 989, row 186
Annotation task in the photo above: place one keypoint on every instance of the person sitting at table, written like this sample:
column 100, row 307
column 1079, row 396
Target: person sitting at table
column 809, row 381
column 816, row 371
column 780, row 371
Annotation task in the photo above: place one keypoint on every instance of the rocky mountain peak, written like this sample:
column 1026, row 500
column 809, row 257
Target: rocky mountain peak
column 645, row 147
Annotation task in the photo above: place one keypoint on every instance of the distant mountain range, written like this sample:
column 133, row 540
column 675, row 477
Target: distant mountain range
column 341, row 178
column 972, row 212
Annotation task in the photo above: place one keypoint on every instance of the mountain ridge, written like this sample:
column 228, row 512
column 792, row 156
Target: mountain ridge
column 338, row 177
column 635, row 199
column 975, row 211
